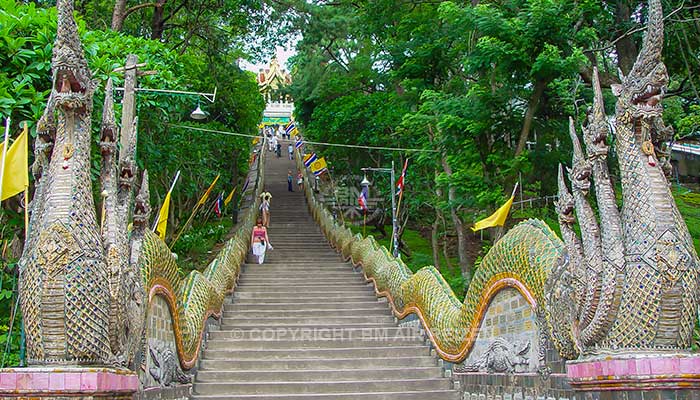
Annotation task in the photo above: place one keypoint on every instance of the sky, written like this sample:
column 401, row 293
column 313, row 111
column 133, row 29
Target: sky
column 283, row 55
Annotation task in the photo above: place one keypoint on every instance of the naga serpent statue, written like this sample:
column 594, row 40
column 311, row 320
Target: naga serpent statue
column 628, row 285
column 85, row 285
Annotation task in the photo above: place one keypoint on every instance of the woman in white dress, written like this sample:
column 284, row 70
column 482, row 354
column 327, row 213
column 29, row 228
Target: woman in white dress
column 259, row 241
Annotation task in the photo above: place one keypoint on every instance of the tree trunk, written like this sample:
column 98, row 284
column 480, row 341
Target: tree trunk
column 435, row 244
column 625, row 47
column 537, row 92
column 118, row 15
column 157, row 22
column 464, row 264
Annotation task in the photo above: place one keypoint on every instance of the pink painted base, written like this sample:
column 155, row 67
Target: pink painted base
column 635, row 372
column 57, row 381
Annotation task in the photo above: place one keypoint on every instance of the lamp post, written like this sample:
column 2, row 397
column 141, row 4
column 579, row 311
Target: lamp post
column 394, row 222
column 131, row 71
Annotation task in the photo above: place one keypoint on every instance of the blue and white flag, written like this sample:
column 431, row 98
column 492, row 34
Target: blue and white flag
column 298, row 142
column 309, row 159
column 291, row 128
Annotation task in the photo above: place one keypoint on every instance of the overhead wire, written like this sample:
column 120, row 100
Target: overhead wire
column 356, row 146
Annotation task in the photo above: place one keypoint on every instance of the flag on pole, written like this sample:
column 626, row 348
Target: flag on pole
column 309, row 159
column 496, row 219
column 229, row 197
column 205, row 196
column 245, row 185
column 400, row 183
column 319, row 166
column 218, row 205
column 162, row 225
column 291, row 128
column 362, row 200
column 15, row 172
column 298, row 142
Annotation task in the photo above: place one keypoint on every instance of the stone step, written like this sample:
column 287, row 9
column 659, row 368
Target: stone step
column 297, row 325
column 208, row 364
column 310, row 320
column 319, row 375
column 311, row 340
column 288, row 296
column 248, row 298
column 279, row 286
column 322, row 332
column 403, row 395
column 252, row 307
column 244, row 312
column 330, row 353
column 304, row 266
column 319, row 274
column 278, row 387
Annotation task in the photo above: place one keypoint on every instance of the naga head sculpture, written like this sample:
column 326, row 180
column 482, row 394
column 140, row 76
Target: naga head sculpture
column 644, row 87
column 596, row 127
column 580, row 171
column 565, row 202
column 72, row 83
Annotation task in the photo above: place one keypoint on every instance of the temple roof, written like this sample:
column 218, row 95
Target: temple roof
column 274, row 77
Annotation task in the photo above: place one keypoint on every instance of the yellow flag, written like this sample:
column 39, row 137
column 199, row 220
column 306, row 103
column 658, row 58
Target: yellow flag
column 205, row 196
column 319, row 164
column 163, row 217
column 496, row 219
column 229, row 197
column 15, row 177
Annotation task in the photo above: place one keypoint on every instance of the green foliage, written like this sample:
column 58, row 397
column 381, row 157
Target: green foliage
column 207, row 60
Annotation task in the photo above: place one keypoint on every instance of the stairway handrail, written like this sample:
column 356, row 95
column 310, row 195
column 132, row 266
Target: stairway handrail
column 451, row 325
column 194, row 298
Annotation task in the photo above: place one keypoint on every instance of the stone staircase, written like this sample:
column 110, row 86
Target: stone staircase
column 305, row 325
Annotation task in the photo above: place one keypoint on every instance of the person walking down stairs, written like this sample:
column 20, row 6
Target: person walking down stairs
column 259, row 241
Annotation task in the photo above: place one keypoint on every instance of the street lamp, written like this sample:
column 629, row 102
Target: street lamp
column 198, row 114
column 394, row 222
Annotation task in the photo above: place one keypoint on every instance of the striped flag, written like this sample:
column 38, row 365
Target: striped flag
column 298, row 142
column 400, row 183
column 217, row 205
column 291, row 128
column 319, row 166
column 362, row 200
column 309, row 159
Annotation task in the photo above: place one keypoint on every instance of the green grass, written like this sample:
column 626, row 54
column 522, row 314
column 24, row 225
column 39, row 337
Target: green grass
column 421, row 256
column 689, row 206
column 421, row 251
column 196, row 247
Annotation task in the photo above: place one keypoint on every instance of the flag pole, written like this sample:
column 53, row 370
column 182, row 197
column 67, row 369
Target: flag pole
column 177, row 175
column 515, row 189
column 26, row 187
column 194, row 212
column 342, row 218
column 403, row 173
column 364, row 222
column 4, row 153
